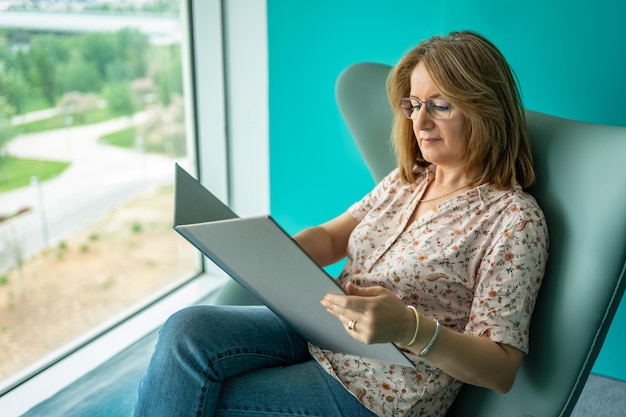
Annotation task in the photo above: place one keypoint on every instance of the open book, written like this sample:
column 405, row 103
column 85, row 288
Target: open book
column 258, row 254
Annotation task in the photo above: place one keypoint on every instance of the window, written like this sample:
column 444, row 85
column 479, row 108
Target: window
column 224, row 59
column 95, row 108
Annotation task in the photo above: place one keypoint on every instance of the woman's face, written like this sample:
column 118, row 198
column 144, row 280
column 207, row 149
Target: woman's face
column 442, row 142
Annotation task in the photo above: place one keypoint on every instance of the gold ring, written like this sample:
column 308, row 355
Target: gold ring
column 352, row 325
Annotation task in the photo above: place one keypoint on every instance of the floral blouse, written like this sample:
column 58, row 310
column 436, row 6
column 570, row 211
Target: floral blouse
column 474, row 263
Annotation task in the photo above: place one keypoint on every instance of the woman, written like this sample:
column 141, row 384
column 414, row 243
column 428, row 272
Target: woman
column 444, row 258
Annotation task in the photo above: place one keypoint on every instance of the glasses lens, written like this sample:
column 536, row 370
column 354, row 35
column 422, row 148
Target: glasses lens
column 439, row 108
column 407, row 107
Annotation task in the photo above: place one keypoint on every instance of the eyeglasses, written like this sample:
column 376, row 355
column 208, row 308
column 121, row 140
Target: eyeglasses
column 438, row 108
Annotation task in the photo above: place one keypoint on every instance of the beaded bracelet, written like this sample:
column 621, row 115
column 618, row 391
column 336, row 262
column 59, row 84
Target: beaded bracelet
column 417, row 326
column 432, row 340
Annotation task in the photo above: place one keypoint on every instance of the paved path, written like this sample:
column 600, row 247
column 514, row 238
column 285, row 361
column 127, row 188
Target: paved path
column 100, row 177
column 34, row 116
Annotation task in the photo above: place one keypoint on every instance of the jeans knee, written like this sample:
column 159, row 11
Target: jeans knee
column 183, row 324
column 185, row 340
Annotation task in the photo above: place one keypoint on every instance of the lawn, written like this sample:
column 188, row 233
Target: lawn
column 123, row 138
column 127, row 138
column 17, row 172
column 64, row 120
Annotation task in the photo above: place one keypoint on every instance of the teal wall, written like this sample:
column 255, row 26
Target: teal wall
column 569, row 55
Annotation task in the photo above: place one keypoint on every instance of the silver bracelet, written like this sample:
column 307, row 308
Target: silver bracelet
column 432, row 339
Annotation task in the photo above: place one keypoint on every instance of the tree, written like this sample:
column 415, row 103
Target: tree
column 77, row 104
column 120, row 99
column 98, row 49
column 144, row 89
column 13, row 87
column 46, row 53
column 164, row 130
column 79, row 75
column 132, row 47
column 169, row 75
column 43, row 71
column 22, row 64
column 117, row 71
column 7, row 131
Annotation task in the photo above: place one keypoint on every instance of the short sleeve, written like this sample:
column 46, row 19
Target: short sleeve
column 375, row 197
column 509, row 278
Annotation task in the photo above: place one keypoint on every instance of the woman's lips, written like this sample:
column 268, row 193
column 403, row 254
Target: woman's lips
column 428, row 141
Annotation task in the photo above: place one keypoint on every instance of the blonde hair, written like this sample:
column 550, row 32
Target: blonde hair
column 473, row 74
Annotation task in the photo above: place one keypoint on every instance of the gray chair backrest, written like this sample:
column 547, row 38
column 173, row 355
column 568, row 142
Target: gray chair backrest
column 581, row 186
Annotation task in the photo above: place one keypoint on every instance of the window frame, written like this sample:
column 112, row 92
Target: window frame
column 225, row 37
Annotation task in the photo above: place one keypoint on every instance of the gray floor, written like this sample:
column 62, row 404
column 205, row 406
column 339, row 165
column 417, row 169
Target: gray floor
column 602, row 397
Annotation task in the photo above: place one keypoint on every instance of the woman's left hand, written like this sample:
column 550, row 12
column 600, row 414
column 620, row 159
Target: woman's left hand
column 372, row 314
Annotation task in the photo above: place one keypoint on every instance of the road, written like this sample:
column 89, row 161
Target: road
column 99, row 178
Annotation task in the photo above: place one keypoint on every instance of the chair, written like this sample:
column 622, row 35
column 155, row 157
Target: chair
column 581, row 186
column 584, row 201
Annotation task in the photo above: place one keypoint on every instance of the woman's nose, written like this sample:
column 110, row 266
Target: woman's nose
column 421, row 118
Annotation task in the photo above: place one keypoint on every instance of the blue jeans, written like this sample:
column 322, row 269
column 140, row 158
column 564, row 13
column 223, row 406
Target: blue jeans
column 237, row 361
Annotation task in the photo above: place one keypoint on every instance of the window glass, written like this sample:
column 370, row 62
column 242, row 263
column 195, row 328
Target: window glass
column 93, row 116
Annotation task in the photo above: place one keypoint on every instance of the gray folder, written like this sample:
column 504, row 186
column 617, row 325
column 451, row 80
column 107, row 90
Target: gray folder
column 258, row 254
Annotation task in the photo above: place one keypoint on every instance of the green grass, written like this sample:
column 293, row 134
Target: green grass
column 58, row 122
column 123, row 138
column 34, row 104
column 17, row 172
